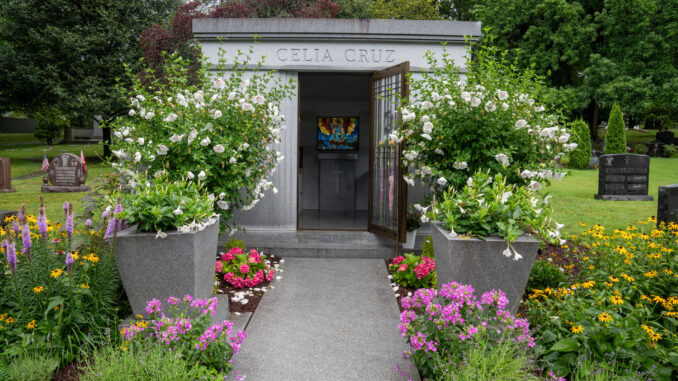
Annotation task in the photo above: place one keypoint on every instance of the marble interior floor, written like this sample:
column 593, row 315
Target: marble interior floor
column 331, row 220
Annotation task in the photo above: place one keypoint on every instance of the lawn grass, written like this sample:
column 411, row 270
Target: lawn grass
column 573, row 200
column 17, row 139
column 26, row 160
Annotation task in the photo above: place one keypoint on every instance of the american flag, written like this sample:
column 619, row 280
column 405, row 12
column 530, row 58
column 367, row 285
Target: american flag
column 82, row 159
column 45, row 163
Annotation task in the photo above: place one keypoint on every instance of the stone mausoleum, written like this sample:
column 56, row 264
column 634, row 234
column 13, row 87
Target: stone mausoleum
column 340, row 185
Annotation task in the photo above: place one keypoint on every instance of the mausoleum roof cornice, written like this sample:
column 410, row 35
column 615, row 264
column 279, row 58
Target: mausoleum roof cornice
column 295, row 29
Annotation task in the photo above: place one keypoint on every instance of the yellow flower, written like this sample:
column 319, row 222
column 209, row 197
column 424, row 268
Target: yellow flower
column 588, row 284
column 592, row 267
column 613, row 279
column 616, row 300
column 667, row 271
column 672, row 314
column 604, row 317
column 582, row 224
column 656, row 337
column 577, row 329
column 585, row 258
column 38, row 289
column 75, row 255
column 651, row 274
column 628, row 278
column 31, row 325
column 9, row 320
column 92, row 258
column 56, row 273
column 84, row 285
column 3, row 317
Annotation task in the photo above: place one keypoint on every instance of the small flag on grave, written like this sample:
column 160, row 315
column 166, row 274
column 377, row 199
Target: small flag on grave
column 45, row 162
column 82, row 158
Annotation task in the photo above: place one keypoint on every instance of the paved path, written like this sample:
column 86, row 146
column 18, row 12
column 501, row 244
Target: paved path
column 327, row 319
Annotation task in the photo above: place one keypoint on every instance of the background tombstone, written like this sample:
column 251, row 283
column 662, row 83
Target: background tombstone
column 65, row 174
column 5, row 175
column 623, row 177
column 667, row 204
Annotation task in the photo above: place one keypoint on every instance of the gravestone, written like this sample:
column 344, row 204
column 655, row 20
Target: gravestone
column 667, row 204
column 655, row 149
column 5, row 175
column 337, row 182
column 65, row 174
column 623, row 177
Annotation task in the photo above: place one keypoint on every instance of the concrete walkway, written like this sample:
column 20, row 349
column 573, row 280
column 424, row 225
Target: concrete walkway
column 327, row 319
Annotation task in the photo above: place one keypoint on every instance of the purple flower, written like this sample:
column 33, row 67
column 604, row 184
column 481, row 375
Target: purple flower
column 15, row 227
column 11, row 253
column 20, row 214
column 69, row 221
column 88, row 223
column 110, row 228
column 154, row 306
column 26, row 237
column 69, row 261
column 104, row 215
column 42, row 223
column 66, row 208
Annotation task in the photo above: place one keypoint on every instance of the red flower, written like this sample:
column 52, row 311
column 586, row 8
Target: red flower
column 402, row 267
column 398, row 259
column 244, row 268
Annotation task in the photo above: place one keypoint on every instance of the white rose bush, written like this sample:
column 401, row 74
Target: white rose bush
column 488, row 125
column 220, row 131
column 489, row 121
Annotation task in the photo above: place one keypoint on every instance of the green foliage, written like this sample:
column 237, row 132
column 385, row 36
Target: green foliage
column 580, row 157
column 487, row 360
column 46, row 304
column 157, row 204
column 545, row 275
column 427, row 250
column 51, row 124
column 93, row 38
column 622, row 304
column 138, row 362
column 405, row 10
column 413, row 271
column 615, row 138
column 488, row 206
column 221, row 130
column 31, row 367
column 493, row 120
column 355, row 9
column 244, row 269
column 233, row 242
column 609, row 370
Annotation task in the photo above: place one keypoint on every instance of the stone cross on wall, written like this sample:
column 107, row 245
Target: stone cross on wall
column 65, row 174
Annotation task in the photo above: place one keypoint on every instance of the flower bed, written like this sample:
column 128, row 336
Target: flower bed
column 622, row 304
column 59, row 286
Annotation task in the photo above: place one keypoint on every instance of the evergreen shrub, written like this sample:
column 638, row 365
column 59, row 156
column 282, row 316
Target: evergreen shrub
column 581, row 156
column 615, row 139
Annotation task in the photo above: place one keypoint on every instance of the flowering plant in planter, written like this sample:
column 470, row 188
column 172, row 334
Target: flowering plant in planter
column 451, row 325
column 220, row 131
column 157, row 204
column 487, row 205
column 244, row 269
column 491, row 121
column 413, row 271
column 189, row 331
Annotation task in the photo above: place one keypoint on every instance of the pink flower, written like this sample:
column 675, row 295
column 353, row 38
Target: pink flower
column 227, row 257
column 236, row 250
column 244, row 268
column 270, row 275
column 254, row 257
column 219, row 266
column 398, row 259
column 228, row 277
column 402, row 267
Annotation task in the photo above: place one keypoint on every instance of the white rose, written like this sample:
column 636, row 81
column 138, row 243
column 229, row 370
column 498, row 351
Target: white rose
column 232, row 160
column 141, row 141
column 171, row 117
column 247, row 107
column 218, row 148
column 151, row 157
column 205, row 142
column 232, row 95
column 137, row 157
column 149, row 115
column 190, row 175
column 259, row 99
column 426, row 136
column 178, row 211
column 408, row 180
column 201, row 175
column 442, row 181
column 176, row 138
column 117, row 134
column 521, row 123
column 460, row 165
column 535, row 185
column 132, row 112
column 439, row 151
column 425, row 105
column 428, row 127
column 505, row 106
column 426, row 170
column 220, row 84
column 502, row 95
column 527, row 174
column 475, row 102
column 162, row 150
column 222, row 204
column 490, row 107
column 217, row 114
column 425, row 119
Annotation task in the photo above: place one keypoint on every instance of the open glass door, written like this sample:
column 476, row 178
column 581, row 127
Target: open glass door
column 388, row 192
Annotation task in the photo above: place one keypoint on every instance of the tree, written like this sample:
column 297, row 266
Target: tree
column 405, row 10
column 581, row 156
column 51, row 123
column 355, row 9
column 161, row 40
column 67, row 54
column 615, row 139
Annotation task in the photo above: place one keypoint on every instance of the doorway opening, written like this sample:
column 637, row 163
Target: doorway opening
column 333, row 146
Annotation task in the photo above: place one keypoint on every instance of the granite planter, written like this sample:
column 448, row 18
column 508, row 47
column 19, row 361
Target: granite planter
column 157, row 268
column 481, row 263
column 410, row 239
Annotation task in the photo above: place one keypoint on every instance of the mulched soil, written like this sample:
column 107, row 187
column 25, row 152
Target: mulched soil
column 564, row 257
column 70, row 372
column 252, row 295
column 401, row 291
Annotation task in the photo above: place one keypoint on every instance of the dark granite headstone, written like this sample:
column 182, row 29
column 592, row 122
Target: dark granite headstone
column 655, row 149
column 623, row 177
column 667, row 204
column 65, row 174
column 5, row 175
